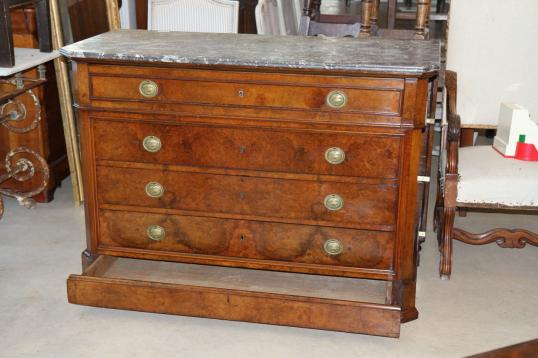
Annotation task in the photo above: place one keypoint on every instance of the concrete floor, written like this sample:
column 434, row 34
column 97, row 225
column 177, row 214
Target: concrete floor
column 491, row 301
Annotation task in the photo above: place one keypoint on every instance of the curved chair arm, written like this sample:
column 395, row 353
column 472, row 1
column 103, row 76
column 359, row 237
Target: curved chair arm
column 451, row 177
column 453, row 143
column 454, row 122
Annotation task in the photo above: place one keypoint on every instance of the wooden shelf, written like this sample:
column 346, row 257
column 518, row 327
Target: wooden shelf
column 26, row 58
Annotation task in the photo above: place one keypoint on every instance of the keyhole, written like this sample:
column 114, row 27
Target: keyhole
column 242, row 237
column 241, row 93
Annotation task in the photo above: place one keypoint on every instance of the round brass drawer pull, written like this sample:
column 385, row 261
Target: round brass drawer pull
column 148, row 88
column 152, row 144
column 154, row 189
column 334, row 202
column 335, row 155
column 156, row 232
column 336, row 99
column 333, row 247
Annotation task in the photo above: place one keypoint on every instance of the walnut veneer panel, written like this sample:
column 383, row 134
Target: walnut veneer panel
column 291, row 151
column 251, row 296
column 361, row 100
column 247, row 239
column 112, row 87
column 272, row 198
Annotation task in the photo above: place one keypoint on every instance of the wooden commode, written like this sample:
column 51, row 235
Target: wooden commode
column 253, row 178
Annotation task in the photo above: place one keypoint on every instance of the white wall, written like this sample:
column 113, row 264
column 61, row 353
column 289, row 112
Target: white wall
column 493, row 45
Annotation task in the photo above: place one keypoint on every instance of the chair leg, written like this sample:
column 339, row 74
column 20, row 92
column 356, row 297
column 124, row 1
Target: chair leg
column 43, row 25
column 366, row 16
column 445, row 264
column 438, row 210
column 505, row 238
column 423, row 16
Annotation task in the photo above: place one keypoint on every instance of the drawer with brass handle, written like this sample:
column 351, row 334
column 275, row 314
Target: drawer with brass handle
column 337, row 99
column 152, row 144
column 329, row 153
column 246, row 239
column 154, row 190
column 366, row 206
column 333, row 247
column 335, row 155
column 148, row 88
column 345, row 95
column 156, row 232
column 333, row 202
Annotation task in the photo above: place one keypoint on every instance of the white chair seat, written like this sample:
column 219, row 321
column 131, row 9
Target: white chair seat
column 486, row 177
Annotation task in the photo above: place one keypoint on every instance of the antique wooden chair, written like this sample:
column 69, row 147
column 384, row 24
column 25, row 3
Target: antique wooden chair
column 309, row 27
column 478, row 177
column 7, row 53
column 422, row 17
column 285, row 17
column 314, row 23
column 193, row 15
column 440, row 14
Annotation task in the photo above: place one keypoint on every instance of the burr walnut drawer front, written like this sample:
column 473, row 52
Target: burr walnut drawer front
column 336, row 203
column 307, row 152
column 246, row 239
column 242, row 89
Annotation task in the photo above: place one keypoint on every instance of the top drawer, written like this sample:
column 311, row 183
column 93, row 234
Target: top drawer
column 146, row 86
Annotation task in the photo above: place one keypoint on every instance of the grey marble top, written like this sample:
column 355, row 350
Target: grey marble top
column 351, row 54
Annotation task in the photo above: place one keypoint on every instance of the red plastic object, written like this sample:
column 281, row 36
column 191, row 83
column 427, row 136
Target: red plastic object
column 526, row 151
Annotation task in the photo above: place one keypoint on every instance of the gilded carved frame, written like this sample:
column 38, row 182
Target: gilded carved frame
column 65, row 94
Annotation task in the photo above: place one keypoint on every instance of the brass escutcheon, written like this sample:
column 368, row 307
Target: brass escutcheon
column 154, row 189
column 336, row 99
column 148, row 88
column 152, row 144
column 334, row 202
column 333, row 247
column 156, row 232
column 335, row 155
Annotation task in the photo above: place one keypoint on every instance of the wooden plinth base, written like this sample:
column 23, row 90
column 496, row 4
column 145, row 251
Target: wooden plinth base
column 289, row 299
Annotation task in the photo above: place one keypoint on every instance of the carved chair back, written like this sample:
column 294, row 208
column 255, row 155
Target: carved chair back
column 309, row 27
column 422, row 17
column 193, row 15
